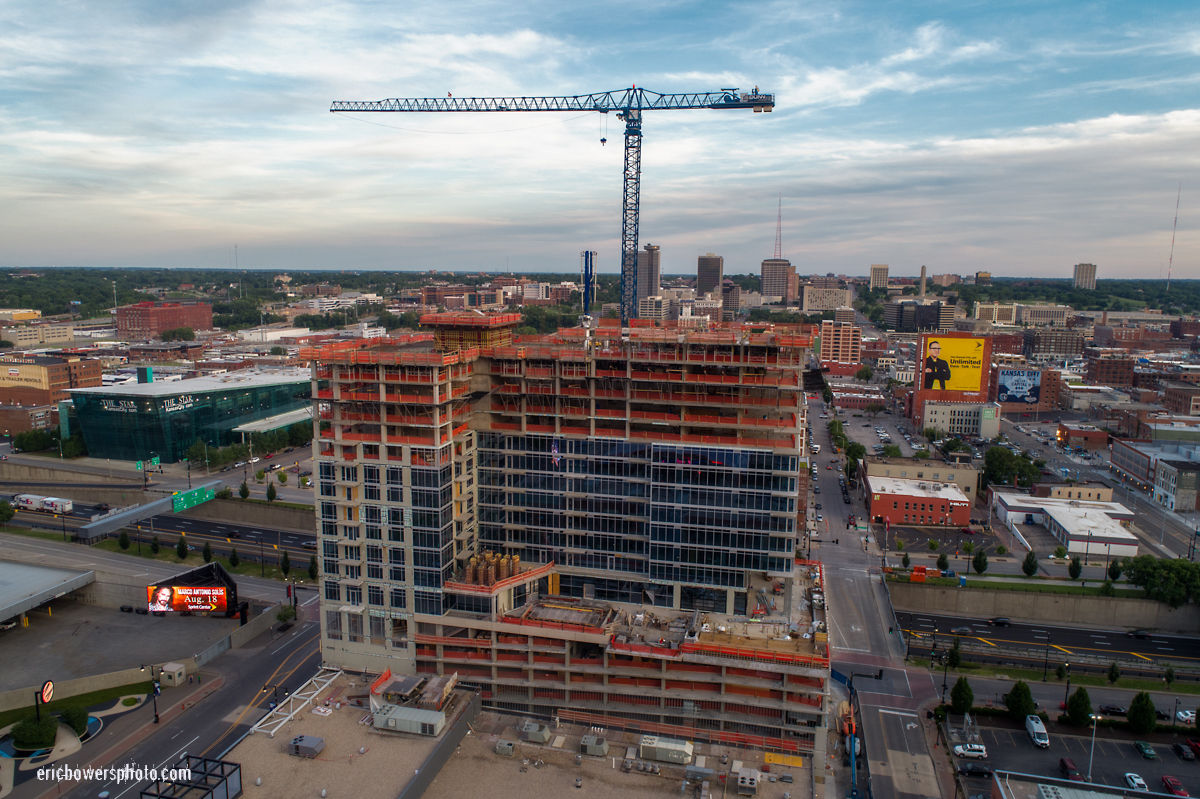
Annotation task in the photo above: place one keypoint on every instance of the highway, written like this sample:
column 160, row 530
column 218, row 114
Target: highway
column 167, row 526
column 1064, row 642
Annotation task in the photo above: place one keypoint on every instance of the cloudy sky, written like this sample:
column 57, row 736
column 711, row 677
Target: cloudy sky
column 1016, row 137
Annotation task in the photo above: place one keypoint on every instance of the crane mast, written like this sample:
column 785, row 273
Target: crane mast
column 629, row 104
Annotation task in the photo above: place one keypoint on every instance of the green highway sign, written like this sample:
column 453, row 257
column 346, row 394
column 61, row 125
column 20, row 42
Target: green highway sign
column 190, row 499
column 155, row 461
column 138, row 466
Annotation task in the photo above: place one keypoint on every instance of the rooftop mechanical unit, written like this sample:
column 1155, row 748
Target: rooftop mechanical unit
column 306, row 746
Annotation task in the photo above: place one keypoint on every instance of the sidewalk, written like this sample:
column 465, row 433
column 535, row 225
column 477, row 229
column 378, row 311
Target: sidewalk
column 128, row 731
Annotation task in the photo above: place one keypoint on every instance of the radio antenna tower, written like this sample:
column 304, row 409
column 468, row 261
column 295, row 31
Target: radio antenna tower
column 1171, row 261
column 779, row 230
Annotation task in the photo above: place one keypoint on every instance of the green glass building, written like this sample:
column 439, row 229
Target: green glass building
column 137, row 421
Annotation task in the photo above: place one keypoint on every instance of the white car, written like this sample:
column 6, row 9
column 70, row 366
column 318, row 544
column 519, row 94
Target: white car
column 978, row 751
column 1135, row 782
column 1186, row 716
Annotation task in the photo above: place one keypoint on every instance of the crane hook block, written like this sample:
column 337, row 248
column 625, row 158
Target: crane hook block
column 602, row 141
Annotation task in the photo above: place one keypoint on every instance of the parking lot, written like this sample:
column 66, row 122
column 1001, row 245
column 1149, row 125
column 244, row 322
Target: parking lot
column 1010, row 749
column 863, row 430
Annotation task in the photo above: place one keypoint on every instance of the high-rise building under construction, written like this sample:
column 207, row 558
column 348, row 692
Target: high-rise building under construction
column 572, row 524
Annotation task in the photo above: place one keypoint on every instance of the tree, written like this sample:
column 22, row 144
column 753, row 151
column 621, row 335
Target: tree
column 1002, row 467
column 891, row 451
column 29, row 733
column 906, row 561
column 271, row 492
column 312, row 568
column 1114, row 671
column 234, row 560
column 980, row 562
column 243, row 490
column 930, row 433
column 1060, row 552
column 181, row 548
column 943, row 562
column 1169, row 675
column 285, row 563
column 864, row 374
column 6, row 512
column 1075, row 568
column 1002, row 550
column 75, row 717
column 968, row 547
column 933, row 545
column 921, row 455
column 207, row 552
column 277, row 350
column 875, row 408
column 123, row 540
column 285, row 614
column 1114, row 570
column 1061, row 671
column 259, row 475
column 1030, row 565
column 954, row 657
column 1079, row 707
column 1019, row 701
column 282, row 478
column 155, row 546
column 1142, row 716
column 962, row 698
column 224, row 493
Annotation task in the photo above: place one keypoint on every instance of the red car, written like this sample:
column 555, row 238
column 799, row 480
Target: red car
column 1173, row 786
column 966, row 531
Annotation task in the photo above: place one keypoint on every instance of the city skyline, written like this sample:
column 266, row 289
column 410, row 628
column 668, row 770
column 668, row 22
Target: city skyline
column 1019, row 143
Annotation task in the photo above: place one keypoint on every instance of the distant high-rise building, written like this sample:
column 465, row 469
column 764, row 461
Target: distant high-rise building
column 710, row 271
column 824, row 281
column 649, row 272
column 1085, row 276
column 983, row 278
column 731, row 299
column 879, row 276
column 776, row 277
column 841, row 342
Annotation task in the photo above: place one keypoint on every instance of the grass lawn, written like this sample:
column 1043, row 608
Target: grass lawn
column 46, row 535
column 1033, row 585
column 167, row 555
column 83, row 700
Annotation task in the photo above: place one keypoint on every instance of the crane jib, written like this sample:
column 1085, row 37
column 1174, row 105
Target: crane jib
column 602, row 102
column 629, row 103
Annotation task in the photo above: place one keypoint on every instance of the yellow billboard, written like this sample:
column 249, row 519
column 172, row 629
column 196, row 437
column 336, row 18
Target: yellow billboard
column 953, row 363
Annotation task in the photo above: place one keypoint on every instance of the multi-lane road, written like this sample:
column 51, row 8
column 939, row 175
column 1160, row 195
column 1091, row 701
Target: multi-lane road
column 1063, row 642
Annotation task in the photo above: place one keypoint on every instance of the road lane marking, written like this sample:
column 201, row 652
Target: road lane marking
column 1143, row 657
column 1068, row 651
column 986, row 641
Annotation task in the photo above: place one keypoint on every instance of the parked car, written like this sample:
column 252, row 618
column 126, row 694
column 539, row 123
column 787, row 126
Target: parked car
column 1067, row 766
column 817, row 506
column 966, row 531
column 1111, row 710
column 1135, row 782
column 976, row 751
column 974, row 770
column 1173, row 786
column 846, row 499
column 1145, row 750
column 1183, row 751
column 1186, row 716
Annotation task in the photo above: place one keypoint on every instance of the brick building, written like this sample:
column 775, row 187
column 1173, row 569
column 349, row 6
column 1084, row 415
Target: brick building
column 145, row 320
column 45, row 380
column 1108, row 367
column 1051, row 343
column 22, row 418
column 841, row 343
column 1081, row 436
column 169, row 351
column 1181, row 398
column 894, row 500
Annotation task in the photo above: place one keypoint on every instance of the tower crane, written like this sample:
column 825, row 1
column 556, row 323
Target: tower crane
column 629, row 105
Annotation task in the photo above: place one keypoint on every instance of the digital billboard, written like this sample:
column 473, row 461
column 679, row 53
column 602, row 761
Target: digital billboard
column 1019, row 385
column 953, row 363
column 186, row 597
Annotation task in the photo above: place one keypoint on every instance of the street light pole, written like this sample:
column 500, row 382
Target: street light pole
column 1092, row 754
column 1067, row 695
column 945, row 672
column 1046, row 667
